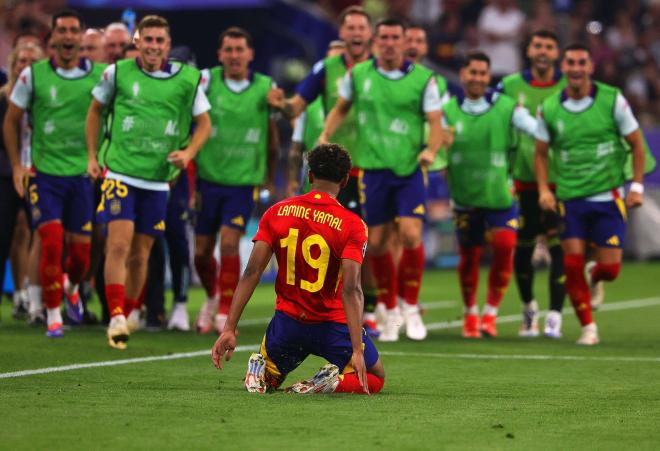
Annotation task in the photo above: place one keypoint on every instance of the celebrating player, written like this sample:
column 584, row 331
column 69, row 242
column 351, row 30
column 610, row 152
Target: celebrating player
column 583, row 126
column 154, row 103
column 478, row 173
column 530, row 87
column 239, row 157
column 392, row 98
column 319, row 246
column 56, row 92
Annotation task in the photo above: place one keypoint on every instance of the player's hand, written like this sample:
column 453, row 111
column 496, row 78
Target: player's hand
column 93, row 169
column 446, row 136
column 360, row 369
column 292, row 188
column 223, row 347
column 19, row 174
column 275, row 98
column 426, row 157
column 547, row 200
column 179, row 158
column 634, row 200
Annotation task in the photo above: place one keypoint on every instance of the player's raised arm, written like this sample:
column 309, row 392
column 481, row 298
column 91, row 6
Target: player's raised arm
column 636, row 194
column 353, row 301
column 226, row 343
column 335, row 119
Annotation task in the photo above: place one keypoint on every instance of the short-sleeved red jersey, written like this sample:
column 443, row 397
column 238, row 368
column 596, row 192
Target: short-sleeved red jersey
column 310, row 235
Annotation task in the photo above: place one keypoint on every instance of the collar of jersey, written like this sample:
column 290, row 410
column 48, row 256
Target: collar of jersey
column 406, row 67
column 529, row 78
column 490, row 96
column 592, row 93
column 166, row 66
column 82, row 63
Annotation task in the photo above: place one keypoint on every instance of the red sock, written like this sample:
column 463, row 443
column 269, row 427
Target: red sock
column 411, row 268
column 501, row 268
column 77, row 261
column 207, row 270
column 349, row 383
column 605, row 271
column 468, row 274
column 577, row 288
column 230, row 272
column 382, row 267
column 135, row 304
column 114, row 294
column 50, row 263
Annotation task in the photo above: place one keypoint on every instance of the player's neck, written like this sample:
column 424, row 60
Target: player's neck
column 355, row 59
column 324, row 186
column 62, row 64
column 390, row 65
column 580, row 92
column 237, row 76
column 543, row 77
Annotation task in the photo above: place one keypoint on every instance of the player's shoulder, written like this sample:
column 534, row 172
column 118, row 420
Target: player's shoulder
column 605, row 88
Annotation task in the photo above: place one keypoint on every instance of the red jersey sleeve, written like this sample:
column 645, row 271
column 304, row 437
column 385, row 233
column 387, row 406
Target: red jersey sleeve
column 356, row 244
column 264, row 232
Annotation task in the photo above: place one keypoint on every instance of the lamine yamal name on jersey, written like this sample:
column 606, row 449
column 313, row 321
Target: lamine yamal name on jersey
column 313, row 214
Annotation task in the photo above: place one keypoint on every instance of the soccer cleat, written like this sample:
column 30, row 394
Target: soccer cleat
column 415, row 328
column 134, row 320
column 381, row 316
column 55, row 330
column 204, row 323
column 391, row 330
column 20, row 310
column 488, row 326
column 325, row 381
column 552, row 327
column 529, row 327
column 255, row 378
column 74, row 308
column 589, row 335
column 179, row 318
column 118, row 332
column 471, row 326
column 371, row 328
column 597, row 289
column 219, row 322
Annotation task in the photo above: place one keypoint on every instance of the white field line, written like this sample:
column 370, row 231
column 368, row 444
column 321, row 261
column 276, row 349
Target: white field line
column 624, row 305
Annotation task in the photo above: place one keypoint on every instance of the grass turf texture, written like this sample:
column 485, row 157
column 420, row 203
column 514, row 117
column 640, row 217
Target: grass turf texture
column 441, row 395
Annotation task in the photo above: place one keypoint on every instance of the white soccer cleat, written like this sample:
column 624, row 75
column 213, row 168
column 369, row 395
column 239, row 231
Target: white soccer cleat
column 381, row 316
column 529, row 328
column 118, row 332
column 589, row 335
column 597, row 289
column 415, row 328
column 392, row 325
column 204, row 323
column 255, row 378
column 552, row 327
column 219, row 322
column 325, row 381
column 179, row 318
column 133, row 321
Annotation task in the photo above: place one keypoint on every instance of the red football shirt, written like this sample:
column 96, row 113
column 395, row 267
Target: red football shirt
column 310, row 235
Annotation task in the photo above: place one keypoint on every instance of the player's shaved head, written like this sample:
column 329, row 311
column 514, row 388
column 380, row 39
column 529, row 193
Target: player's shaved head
column 329, row 162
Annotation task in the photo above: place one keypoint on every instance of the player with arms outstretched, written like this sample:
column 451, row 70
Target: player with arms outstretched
column 319, row 246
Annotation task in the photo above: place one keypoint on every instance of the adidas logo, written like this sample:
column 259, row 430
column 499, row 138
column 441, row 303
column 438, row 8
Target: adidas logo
column 613, row 241
column 238, row 220
column 513, row 223
column 160, row 226
column 420, row 209
column 87, row 227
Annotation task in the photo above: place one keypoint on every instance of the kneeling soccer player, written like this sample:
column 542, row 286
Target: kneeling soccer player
column 319, row 246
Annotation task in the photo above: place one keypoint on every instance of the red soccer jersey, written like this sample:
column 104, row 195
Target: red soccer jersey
column 310, row 235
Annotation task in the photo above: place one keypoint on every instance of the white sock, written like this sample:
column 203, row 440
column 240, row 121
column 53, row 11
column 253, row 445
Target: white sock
column 34, row 296
column 490, row 310
column 533, row 306
column 54, row 316
column 369, row 317
column 474, row 310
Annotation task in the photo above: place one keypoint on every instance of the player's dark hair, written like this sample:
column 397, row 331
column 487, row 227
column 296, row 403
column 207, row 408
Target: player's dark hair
column 475, row 56
column 236, row 33
column 67, row 13
column 329, row 162
column 353, row 10
column 153, row 21
column 127, row 48
column 391, row 22
column 415, row 26
column 573, row 47
column 545, row 34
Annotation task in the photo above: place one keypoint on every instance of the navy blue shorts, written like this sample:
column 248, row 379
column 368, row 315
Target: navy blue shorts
column 144, row 207
column 386, row 196
column 218, row 205
column 288, row 342
column 349, row 196
column 66, row 199
column 472, row 223
column 603, row 223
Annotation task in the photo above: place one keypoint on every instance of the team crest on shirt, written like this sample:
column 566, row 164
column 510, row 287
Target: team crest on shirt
column 366, row 86
column 560, row 127
column 458, row 127
column 136, row 89
column 53, row 94
column 115, row 206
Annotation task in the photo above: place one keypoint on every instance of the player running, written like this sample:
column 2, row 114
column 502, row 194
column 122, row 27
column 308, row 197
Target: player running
column 478, row 177
column 583, row 128
column 319, row 246
column 393, row 98
column 154, row 103
column 240, row 155
column 530, row 87
column 56, row 92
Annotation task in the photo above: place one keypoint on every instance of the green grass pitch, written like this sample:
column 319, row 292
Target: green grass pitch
column 443, row 393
